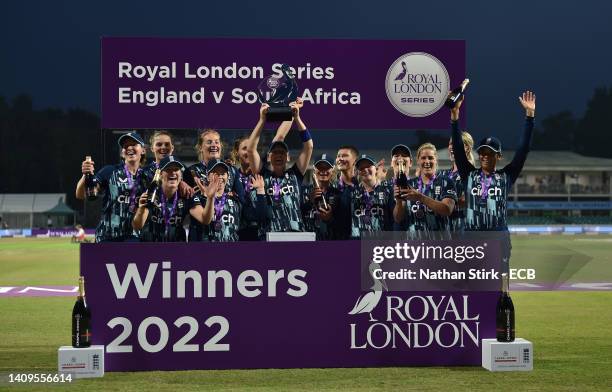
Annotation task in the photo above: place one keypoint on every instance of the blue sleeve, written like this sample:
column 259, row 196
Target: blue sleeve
column 513, row 169
column 463, row 164
column 238, row 188
column 449, row 190
column 103, row 176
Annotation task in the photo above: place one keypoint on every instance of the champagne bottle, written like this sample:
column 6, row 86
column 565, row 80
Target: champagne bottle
column 81, row 319
column 402, row 179
column 321, row 199
column 91, row 191
column 456, row 94
column 505, row 313
column 152, row 190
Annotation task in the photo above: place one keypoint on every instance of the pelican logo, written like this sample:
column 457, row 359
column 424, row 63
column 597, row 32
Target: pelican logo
column 368, row 301
column 417, row 84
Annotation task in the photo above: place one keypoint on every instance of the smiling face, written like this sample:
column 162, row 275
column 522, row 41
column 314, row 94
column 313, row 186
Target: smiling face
column 243, row 154
column 131, row 150
column 367, row 172
column 161, row 147
column 345, row 159
column 210, row 146
column 428, row 162
column 218, row 172
column 278, row 158
column 401, row 156
column 171, row 176
column 488, row 158
column 323, row 172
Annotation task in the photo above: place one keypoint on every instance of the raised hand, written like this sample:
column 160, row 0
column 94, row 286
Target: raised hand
column 455, row 110
column 263, row 111
column 87, row 167
column 528, row 101
column 295, row 109
column 210, row 190
column 258, row 183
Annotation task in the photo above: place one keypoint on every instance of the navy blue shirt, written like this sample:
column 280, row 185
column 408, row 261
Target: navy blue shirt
column 120, row 200
column 165, row 220
column 486, row 197
column 419, row 217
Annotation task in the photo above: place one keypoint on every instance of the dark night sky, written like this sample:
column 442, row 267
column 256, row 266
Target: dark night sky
column 560, row 50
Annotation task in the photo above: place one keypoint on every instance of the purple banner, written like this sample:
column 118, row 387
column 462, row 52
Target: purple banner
column 346, row 84
column 269, row 305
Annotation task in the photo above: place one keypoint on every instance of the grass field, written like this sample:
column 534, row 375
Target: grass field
column 571, row 331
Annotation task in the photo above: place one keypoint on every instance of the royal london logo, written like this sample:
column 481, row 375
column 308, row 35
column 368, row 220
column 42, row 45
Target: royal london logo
column 413, row 321
column 417, row 84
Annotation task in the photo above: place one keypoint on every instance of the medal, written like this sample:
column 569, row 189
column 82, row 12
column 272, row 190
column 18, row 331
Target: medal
column 219, row 205
column 132, row 185
column 167, row 214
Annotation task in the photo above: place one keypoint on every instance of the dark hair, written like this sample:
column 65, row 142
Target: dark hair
column 353, row 149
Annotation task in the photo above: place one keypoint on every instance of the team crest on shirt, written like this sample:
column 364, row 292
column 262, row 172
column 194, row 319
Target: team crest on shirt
column 230, row 202
column 381, row 195
column 438, row 190
column 497, row 177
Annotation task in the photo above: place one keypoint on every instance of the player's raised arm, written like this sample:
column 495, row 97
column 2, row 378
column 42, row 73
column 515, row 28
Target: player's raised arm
column 513, row 169
column 463, row 164
column 307, row 145
column 254, row 158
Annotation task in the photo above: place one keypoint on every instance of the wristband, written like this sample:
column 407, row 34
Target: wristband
column 305, row 135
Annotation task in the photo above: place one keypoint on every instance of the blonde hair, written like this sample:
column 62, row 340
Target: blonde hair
column 159, row 133
column 204, row 132
column 426, row 146
column 468, row 141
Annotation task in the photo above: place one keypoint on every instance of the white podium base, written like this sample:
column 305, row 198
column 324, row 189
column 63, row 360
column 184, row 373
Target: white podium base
column 505, row 357
column 285, row 237
column 81, row 362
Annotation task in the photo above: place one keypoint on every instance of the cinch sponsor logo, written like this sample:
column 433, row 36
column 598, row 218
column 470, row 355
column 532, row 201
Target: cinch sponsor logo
column 173, row 220
column 125, row 199
column 417, row 84
column 495, row 191
column 374, row 211
column 227, row 219
column 285, row 190
column 418, row 206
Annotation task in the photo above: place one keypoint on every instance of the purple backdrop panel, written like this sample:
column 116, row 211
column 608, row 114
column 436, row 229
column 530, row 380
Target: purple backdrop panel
column 269, row 305
column 347, row 80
